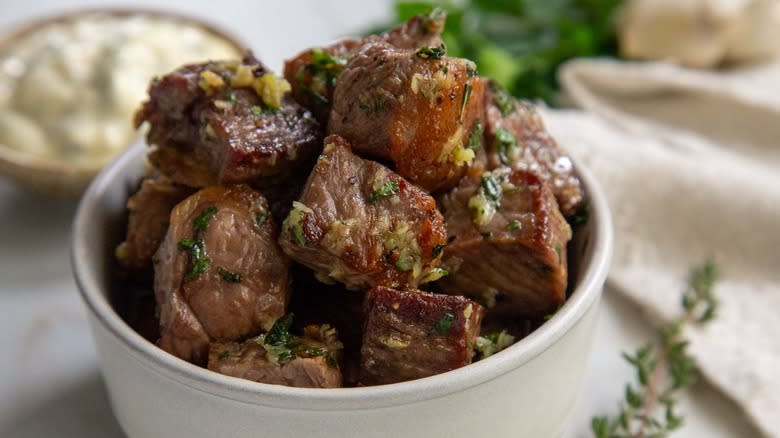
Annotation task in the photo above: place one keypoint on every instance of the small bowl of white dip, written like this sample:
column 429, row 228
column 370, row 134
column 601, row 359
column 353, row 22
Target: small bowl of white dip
column 69, row 86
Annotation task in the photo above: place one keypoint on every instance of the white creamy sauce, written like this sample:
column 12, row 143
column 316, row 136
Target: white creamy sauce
column 68, row 91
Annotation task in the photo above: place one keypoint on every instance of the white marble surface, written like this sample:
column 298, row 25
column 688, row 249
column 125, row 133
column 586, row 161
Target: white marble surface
column 49, row 382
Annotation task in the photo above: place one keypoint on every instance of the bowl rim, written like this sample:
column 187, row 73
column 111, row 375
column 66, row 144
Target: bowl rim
column 596, row 265
column 15, row 159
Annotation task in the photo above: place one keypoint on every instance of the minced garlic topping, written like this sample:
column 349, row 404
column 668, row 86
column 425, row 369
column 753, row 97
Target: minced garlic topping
column 68, row 91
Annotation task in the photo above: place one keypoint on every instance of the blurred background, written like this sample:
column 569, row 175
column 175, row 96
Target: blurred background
column 679, row 88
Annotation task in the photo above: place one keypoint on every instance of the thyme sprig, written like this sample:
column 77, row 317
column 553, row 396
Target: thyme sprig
column 663, row 368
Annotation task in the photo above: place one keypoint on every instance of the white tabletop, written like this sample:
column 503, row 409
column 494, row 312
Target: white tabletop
column 49, row 381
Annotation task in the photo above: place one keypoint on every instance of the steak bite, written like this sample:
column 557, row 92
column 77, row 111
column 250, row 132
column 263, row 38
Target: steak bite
column 508, row 247
column 416, row 109
column 359, row 223
column 220, row 274
column 150, row 209
column 515, row 136
column 313, row 73
column 308, row 361
column 413, row 334
column 227, row 122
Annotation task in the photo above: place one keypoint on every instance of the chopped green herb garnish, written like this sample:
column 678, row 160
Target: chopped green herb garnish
column 260, row 218
column 199, row 262
column 504, row 143
column 503, row 100
column 186, row 243
column 324, row 69
column 444, row 325
column 426, row 52
column 475, row 138
column 558, row 250
column 491, row 188
column 437, row 250
column 466, row 96
column 230, row 277
column 405, row 263
column 387, row 189
column 201, row 223
column 256, row 110
column 224, row 355
column 280, row 331
column 513, row 225
column 492, row 343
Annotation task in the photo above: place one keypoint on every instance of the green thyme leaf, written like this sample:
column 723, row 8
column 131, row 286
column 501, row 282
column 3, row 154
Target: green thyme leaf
column 663, row 368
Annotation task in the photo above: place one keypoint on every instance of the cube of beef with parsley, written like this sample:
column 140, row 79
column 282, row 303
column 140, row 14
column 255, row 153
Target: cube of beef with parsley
column 313, row 73
column 277, row 357
column 413, row 334
column 415, row 109
column 227, row 122
column 359, row 223
column 515, row 136
column 219, row 273
column 508, row 244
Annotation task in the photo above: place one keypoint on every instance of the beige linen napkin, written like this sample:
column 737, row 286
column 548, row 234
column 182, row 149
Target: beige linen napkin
column 690, row 162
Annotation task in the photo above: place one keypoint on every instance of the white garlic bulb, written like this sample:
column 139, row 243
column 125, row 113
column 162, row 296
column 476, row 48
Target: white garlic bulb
column 755, row 34
column 699, row 33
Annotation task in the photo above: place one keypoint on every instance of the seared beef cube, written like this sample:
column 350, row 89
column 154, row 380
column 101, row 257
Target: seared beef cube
column 509, row 244
column 227, row 122
column 359, row 223
column 516, row 137
column 414, row 334
column 313, row 73
column 308, row 364
column 414, row 109
column 150, row 210
column 220, row 274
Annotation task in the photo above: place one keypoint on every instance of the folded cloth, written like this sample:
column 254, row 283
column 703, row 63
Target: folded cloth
column 690, row 162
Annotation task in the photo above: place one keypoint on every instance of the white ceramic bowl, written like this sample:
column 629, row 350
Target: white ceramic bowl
column 527, row 390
